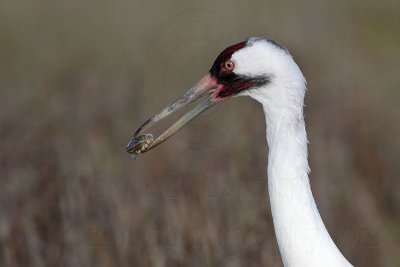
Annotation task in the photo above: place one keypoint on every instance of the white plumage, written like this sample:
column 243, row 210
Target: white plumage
column 264, row 70
column 302, row 236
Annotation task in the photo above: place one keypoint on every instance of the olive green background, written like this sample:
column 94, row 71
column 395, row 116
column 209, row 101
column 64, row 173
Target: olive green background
column 78, row 77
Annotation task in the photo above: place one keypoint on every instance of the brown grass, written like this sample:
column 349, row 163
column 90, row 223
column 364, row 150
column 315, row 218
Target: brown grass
column 77, row 78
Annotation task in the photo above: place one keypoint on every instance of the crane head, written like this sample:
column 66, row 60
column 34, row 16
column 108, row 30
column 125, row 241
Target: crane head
column 239, row 69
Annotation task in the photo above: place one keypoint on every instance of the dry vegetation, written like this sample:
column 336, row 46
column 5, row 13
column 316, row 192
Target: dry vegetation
column 76, row 78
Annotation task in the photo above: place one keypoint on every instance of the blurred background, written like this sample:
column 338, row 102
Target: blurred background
column 78, row 77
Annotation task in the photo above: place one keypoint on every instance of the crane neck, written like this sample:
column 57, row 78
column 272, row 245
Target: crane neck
column 302, row 237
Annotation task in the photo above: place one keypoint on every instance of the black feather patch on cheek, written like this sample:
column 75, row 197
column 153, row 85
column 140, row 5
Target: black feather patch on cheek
column 231, row 83
column 236, row 84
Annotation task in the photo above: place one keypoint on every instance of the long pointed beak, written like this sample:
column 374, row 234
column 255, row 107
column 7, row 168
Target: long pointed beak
column 141, row 143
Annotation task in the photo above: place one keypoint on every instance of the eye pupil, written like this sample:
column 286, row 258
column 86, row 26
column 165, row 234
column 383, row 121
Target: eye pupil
column 229, row 65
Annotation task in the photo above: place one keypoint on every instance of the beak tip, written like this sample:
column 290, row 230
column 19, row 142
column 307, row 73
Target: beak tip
column 139, row 144
column 144, row 142
column 130, row 146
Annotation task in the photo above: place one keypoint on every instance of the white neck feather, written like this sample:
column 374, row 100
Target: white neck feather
column 302, row 236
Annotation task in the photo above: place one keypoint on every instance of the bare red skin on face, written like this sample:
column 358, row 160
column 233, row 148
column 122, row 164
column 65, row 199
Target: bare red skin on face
column 228, row 83
column 223, row 56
